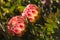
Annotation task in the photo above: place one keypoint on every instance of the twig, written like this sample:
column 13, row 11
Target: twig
column 2, row 27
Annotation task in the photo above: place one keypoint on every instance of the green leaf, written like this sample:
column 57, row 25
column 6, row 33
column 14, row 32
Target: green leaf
column 8, row 4
column 19, row 2
column 12, row 8
column 21, row 8
column 5, row 10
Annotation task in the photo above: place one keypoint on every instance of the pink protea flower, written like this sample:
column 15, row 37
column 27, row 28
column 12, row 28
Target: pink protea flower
column 17, row 25
column 32, row 12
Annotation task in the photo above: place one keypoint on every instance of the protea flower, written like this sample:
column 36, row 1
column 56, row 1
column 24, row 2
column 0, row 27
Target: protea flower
column 17, row 25
column 32, row 12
